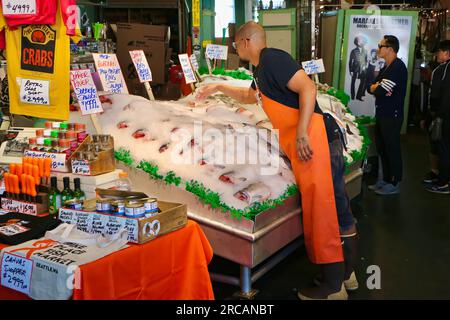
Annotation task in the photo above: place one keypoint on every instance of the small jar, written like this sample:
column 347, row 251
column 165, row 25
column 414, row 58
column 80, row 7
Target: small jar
column 39, row 143
column 47, row 133
column 81, row 136
column 48, row 124
column 62, row 135
column 47, row 145
column 39, row 133
column 64, row 126
column 64, row 147
column 32, row 142
column 56, row 125
column 54, row 134
column 71, row 127
column 54, row 146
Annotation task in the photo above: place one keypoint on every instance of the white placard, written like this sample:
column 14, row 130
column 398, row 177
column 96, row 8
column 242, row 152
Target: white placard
column 141, row 65
column 19, row 7
column 12, row 205
column 215, row 51
column 81, row 167
column 34, row 91
column 16, row 273
column 84, row 88
column 313, row 66
column 194, row 62
column 187, row 68
column 110, row 74
column 58, row 159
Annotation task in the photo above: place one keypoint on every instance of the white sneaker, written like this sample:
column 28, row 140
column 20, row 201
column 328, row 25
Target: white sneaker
column 377, row 186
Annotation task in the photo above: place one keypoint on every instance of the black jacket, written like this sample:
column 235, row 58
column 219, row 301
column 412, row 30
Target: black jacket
column 358, row 60
column 440, row 91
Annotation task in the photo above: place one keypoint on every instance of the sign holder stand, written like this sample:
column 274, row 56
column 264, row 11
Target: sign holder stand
column 148, row 87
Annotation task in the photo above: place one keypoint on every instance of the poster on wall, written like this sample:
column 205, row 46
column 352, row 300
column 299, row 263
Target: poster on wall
column 361, row 64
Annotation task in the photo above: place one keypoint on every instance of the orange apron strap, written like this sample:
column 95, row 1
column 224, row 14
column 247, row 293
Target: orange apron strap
column 314, row 178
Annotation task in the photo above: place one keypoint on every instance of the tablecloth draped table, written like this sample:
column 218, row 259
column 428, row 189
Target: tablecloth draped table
column 171, row 267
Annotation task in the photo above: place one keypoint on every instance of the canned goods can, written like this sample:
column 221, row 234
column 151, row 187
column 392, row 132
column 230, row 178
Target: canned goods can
column 118, row 207
column 135, row 210
column 151, row 205
column 103, row 205
column 96, row 138
column 74, row 204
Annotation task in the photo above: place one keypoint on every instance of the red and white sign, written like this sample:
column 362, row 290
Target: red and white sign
column 86, row 92
column 141, row 65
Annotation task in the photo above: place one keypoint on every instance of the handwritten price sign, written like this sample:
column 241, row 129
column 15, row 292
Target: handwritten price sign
column 81, row 167
column 19, row 7
column 16, row 273
column 313, row 66
column 187, row 68
column 141, row 65
column 110, row 73
column 18, row 206
column 34, row 91
column 194, row 62
column 58, row 159
column 215, row 51
column 85, row 90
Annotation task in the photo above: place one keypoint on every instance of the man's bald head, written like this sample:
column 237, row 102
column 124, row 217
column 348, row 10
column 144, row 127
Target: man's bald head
column 252, row 30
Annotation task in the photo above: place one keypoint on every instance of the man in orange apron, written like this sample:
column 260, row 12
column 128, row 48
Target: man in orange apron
column 312, row 142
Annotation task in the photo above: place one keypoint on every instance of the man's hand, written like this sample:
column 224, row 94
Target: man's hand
column 388, row 85
column 304, row 149
column 206, row 91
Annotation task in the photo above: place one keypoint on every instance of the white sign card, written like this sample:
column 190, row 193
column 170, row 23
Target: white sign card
column 141, row 65
column 18, row 206
column 218, row 52
column 110, row 74
column 187, row 68
column 81, row 167
column 19, row 7
column 58, row 159
column 194, row 62
column 16, row 273
column 313, row 66
column 86, row 92
column 34, row 91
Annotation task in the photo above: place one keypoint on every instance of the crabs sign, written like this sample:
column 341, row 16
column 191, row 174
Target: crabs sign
column 38, row 48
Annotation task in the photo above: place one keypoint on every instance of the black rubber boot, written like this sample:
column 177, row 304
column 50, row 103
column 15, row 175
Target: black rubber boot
column 331, row 288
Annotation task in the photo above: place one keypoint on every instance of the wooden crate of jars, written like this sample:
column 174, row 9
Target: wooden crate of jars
column 94, row 156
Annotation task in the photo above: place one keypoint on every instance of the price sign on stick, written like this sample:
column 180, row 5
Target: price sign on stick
column 216, row 52
column 194, row 62
column 16, row 272
column 143, row 70
column 86, row 93
column 110, row 73
column 19, row 7
column 187, row 68
column 313, row 66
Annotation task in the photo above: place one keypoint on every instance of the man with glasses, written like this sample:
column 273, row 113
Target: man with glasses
column 389, row 89
column 311, row 140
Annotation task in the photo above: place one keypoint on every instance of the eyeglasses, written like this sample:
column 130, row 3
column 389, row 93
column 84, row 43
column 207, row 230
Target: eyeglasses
column 234, row 44
column 383, row 46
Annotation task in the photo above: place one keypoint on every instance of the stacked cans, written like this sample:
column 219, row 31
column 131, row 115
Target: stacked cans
column 138, row 208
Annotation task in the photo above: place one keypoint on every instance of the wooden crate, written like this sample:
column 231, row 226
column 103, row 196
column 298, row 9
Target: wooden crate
column 104, row 163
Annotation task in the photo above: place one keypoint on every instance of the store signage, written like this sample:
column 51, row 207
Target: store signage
column 86, row 92
column 96, row 223
column 58, row 159
column 38, row 48
column 215, row 51
column 18, row 206
column 187, row 68
column 19, row 7
column 110, row 73
column 196, row 13
column 194, row 62
column 81, row 167
column 16, row 273
column 141, row 65
column 35, row 91
column 313, row 66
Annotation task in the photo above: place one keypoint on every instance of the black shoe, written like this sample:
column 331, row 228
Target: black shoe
column 438, row 188
column 430, row 177
column 332, row 286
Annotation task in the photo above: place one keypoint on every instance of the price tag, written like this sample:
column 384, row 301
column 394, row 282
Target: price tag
column 86, row 92
column 215, row 51
column 187, row 68
column 141, row 65
column 110, row 73
column 16, row 272
column 19, row 7
column 58, row 159
column 35, row 91
column 18, row 206
column 194, row 62
column 313, row 66
column 81, row 167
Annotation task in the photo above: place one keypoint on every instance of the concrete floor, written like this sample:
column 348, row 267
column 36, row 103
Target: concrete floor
column 407, row 236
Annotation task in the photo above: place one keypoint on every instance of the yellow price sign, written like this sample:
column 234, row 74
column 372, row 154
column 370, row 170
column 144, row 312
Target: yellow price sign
column 205, row 43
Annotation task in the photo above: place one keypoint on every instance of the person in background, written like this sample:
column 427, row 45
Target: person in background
column 389, row 89
column 358, row 68
column 438, row 182
column 312, row 141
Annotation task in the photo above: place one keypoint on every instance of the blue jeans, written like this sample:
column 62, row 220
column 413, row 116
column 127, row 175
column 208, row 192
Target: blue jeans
column 345, row 215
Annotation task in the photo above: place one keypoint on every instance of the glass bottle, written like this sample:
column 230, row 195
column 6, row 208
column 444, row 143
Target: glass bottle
column 67, row 193
column 54, row 197
column 78, row 193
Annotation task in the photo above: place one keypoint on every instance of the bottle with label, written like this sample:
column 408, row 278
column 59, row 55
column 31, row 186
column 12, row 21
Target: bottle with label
column 78, row 193
column 54, row 197
column 124, row 183
column 67, row 193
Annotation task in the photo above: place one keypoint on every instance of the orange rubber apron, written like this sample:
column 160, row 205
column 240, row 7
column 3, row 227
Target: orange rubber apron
column 314, row 179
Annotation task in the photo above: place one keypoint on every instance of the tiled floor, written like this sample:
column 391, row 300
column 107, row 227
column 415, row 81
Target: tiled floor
column 407, row 236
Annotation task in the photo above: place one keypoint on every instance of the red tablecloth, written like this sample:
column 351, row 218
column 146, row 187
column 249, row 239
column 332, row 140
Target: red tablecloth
column 172, row 267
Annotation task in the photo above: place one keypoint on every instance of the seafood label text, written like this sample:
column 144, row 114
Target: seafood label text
column 110, row 73
column 215, row 51
column 141, row 65
column 187, row 68
column 85, row 90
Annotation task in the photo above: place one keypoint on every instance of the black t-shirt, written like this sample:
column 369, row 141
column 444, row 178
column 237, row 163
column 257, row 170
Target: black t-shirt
column 276, row 68
column 392, row 106
column 17, row 228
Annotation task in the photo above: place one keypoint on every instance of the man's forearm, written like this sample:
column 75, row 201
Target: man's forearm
column 307, row 106
column 237, row 93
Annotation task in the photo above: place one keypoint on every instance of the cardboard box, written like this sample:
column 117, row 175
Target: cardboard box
column 154, row 41
column 173, row 216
